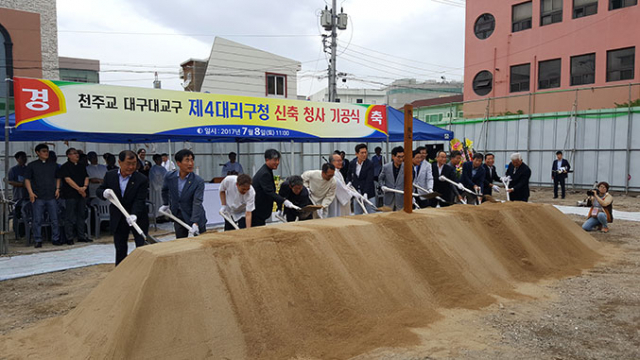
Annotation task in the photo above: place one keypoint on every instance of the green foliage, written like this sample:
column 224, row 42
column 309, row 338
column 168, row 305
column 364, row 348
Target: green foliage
column 634, row 103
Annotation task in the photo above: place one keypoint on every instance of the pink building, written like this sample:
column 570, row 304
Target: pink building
column 517, row 47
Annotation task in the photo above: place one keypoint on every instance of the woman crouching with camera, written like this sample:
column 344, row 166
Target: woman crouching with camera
column 601, row 212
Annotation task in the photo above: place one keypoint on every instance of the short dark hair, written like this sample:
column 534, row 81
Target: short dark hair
column 19, row 154
column 243, row 179
column 606, row 184
column 232, row 153
column 272, row 154
column 110, row 158
column 378, row 148
column 396, row 150
column 41, row 146
column 295, row 180
column 156, row 157
column 92, row 155
column 558, row 152
column 478, row 156
column 420, row 148
column 415, row 152
column 164, row 154
column 180, row 155
column 69, row 150
column 489, row 154
column 141, row 150
column 127, row 154
column 455, row 153
column 326, row 167
column 360, row 147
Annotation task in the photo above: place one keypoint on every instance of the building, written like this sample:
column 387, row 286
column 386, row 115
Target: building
column 443, row 109
column 353, row 96
column 237, row 69
column 28, row 33
column 406, row 91
column 192, row 73
column 517, row 47
column 79, row 70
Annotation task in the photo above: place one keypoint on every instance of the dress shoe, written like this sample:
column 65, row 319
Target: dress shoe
column 56, row 243
column 70, row 242
column 38, row 245
column 87, row 240
column 555, row 197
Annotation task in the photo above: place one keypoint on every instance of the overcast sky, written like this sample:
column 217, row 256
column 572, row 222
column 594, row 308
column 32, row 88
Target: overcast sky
column 385, row 40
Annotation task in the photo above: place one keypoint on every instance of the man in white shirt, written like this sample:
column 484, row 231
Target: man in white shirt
column 237, row 197
column 167, row 163
column 232, row 167
column 341, row 205
column 322, row 188
column 96, row 173
column 422, row 175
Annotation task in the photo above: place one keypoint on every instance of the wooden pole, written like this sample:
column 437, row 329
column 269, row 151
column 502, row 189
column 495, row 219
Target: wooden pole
column 408, row 165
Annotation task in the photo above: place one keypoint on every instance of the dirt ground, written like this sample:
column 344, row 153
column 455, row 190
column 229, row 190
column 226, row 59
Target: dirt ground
column 592, row 316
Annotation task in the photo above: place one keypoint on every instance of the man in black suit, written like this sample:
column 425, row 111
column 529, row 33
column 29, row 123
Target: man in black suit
column 520, row 175
column 132, row 189
column 444, row 188
column 473, row 177
column 360, row 175
column 559, row 173
column 265, row 189
column 491, row 174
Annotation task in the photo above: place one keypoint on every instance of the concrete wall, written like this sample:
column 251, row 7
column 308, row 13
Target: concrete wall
column 48, row 32
column 351, row 96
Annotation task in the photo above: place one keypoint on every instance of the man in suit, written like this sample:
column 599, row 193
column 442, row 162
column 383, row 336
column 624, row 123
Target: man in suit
column 491, row 174
column 422, row 174
column 392, row 176
column 183, row 194
column 520, row 175
column 473, row 177
column 559, row 173
column 132, row 189
column 360, row 175
column 445, row 189
column 265, row 188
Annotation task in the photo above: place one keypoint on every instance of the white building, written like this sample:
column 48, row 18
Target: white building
column 237, row 69
column 353, row 96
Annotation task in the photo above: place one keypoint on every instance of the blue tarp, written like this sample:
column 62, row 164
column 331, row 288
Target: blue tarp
column 421, row 132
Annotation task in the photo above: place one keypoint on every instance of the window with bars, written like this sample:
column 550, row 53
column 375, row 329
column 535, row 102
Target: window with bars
column 549, row 72
column 485, row 24
column 583, row 69
column 550, row 12
column 519, row 78
column 582, row 8
column 621, row 64
column 521, row 16
column 619, row 4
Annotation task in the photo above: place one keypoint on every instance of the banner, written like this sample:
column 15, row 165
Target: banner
column 58, row 106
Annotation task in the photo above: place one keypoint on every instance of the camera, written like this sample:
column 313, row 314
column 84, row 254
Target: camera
column 590, row 193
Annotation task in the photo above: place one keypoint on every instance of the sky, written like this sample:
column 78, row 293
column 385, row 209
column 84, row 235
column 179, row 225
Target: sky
column 385, row 40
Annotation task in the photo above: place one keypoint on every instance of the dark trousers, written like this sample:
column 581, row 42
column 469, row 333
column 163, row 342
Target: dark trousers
column 558, row 180
column 121, row 238
column 242, row 224
column 75, row 215
column 256, row 221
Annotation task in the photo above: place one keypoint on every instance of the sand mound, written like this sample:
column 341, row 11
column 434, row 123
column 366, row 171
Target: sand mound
column 330, row 288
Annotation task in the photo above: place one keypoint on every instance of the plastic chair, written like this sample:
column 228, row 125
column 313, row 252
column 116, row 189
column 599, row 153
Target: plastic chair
column 152, row 213
column 27, row 216
column 101, row 214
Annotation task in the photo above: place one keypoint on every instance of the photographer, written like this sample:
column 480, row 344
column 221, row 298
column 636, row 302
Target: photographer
column 601, row 212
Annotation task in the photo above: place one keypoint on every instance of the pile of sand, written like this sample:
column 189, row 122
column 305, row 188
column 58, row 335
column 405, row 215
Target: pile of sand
column 330, row 288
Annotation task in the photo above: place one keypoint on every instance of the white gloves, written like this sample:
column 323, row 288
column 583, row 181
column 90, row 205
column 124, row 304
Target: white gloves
column 224, row 208
column 320, row 213
column 290, row 205
column 496, row 188
column 164, row 208
column 460, row 186
column 109, row 194
column 131, row 219
column 195, row 230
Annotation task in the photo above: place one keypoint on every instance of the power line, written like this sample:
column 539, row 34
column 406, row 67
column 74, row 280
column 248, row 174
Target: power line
column 184, row 34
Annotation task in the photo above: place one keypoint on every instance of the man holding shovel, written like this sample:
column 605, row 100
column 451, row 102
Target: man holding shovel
column 131, row 189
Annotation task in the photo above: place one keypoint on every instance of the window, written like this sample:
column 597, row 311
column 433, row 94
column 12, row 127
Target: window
column 520, row 76
column 433, row 118
column 549, row 74
column 618, row 4
column 276, row 85
column 337, row 100
column 439, row 117
column 359, row 101
column 550, row 12
column 485, row 24
column 521, row 16
column 483, row 83
column 583, row 69
column 620, row 64
column 582, row 8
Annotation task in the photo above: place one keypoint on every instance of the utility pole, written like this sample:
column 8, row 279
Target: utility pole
column 331, row 21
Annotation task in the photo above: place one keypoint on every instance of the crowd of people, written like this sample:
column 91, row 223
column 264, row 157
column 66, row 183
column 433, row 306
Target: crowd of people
column 340, row 188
